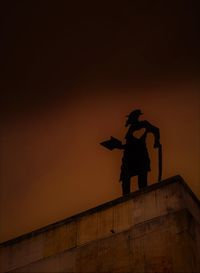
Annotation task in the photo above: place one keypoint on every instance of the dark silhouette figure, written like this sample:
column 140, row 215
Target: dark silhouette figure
column 135, row 160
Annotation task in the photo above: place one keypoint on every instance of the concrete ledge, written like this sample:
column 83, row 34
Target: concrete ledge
column 145, row 247
column 113, row 217
column 152, row 187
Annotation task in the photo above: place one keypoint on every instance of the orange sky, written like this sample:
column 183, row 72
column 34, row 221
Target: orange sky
column 53, row 165
column 68, row 85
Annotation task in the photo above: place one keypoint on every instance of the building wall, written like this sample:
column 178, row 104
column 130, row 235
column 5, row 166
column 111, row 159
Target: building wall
column 157, row 229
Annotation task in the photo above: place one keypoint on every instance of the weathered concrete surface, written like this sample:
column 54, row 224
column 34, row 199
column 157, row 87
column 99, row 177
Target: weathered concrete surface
column 154, row 230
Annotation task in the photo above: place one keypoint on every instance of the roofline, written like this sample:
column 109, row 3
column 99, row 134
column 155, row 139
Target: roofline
column 171, row 180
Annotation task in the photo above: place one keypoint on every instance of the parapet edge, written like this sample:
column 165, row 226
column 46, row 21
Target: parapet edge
column 171, row 180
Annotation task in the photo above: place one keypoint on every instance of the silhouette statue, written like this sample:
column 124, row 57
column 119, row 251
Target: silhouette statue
column 135, row 160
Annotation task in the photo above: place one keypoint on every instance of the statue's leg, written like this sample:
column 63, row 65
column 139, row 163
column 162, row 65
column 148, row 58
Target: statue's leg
column 142, row 180
column 126, row 187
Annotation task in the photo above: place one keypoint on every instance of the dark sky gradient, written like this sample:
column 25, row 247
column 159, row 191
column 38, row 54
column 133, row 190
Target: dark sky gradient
column 48, row 48
column 71, row 72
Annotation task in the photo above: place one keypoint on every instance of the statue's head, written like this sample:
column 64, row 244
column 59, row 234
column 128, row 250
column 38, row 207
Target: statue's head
column 133, row 117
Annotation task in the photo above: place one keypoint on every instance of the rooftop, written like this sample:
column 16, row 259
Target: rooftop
column 171, row 180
